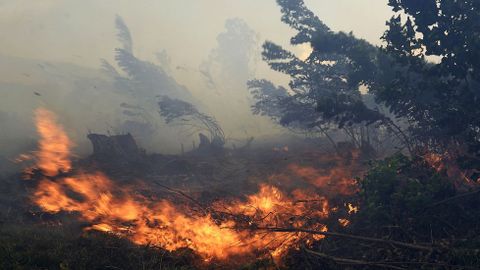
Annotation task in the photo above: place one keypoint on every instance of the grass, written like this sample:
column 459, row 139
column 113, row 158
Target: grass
column 44, row 247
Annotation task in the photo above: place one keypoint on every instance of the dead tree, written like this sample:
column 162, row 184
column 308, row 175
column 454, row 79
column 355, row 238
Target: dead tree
column 185, row 114
column 115, row 147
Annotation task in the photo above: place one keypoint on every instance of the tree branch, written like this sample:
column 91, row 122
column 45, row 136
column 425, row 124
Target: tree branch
column 350, row 236
column 351, row 261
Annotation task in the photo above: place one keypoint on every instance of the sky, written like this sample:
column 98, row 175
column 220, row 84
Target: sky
column 82, row 32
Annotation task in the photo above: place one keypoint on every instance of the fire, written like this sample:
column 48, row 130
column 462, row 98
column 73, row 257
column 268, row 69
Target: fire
column 226, row 229
column 336, row 179
column 272, row 208
column 159, row 223
column 54, row 146
column 344, row 222
column 352, row 208
column 435, row 160
column 448, row 162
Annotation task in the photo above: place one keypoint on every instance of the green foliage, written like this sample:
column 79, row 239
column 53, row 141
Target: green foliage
column 397, row 189
column 438, row 98
column 322, row 93
column 324, row 89
column 426, row 74
column 406, row 200
column 441, row 98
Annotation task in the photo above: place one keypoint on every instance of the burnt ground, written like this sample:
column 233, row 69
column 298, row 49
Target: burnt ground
column 206, row 176
column 409, row 214
column 226, row 172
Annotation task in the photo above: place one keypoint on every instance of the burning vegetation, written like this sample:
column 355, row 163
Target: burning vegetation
column 242, row 227
column 369, row 161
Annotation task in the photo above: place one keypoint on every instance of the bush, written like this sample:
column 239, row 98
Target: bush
column 395, row 191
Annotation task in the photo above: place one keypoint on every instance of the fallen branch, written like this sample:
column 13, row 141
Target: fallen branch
column 453, row 198
column 350, row 236
column 385, row 264
column 351, row 261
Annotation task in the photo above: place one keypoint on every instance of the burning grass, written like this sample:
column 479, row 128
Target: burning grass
column 228, row 229
column 294, row 216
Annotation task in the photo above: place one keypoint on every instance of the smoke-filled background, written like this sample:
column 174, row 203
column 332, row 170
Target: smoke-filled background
column 102, row 66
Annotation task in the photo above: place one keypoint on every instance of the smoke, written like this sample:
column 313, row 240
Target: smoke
column 225, row 73
column 121, row 96
column 51, row 56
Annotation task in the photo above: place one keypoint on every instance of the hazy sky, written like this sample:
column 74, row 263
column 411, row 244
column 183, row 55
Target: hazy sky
column 83, row 31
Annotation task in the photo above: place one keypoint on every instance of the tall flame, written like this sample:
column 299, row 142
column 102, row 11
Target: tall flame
column 54, row 145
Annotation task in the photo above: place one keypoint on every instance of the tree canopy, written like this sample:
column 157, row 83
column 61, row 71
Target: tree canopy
column 426, row 73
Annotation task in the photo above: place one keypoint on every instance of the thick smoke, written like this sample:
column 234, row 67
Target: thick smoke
column 105, row 74
column 122, row 96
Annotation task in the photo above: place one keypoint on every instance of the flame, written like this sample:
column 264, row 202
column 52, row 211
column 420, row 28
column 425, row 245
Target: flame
column 54, row 145
column 448, row 162
column 436, row 161
column 352, row 208
column 344, row 222
column 226, row 230
column 159, row 223
column 336, row 179
column 272, row 208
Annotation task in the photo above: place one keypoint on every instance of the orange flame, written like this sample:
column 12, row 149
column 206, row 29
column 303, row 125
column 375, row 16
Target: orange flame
column 335, row 179
column 436, row 161
column 54, row 145
column 120, row 210
column 159, row 223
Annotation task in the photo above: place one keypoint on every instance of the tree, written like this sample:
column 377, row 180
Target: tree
column 325, row 87
column 440, row 99
column 230, row 64
column 141, row 79
column 142, row 82
column 187, row 115
column 437, row 98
